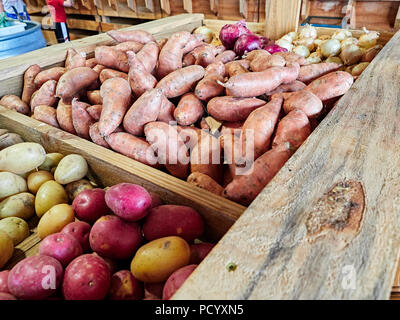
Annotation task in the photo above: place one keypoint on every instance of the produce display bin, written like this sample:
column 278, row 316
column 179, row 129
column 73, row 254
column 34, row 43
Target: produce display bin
column 274, row 255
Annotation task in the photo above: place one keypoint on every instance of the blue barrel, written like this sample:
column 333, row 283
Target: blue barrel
column 22, row 42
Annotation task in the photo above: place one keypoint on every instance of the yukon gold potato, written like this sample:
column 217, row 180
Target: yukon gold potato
column 55, row 220
column 16, row 228
column 49, row 194
column 11, row 184
column 21, row 205
column 37, row 178
column 76, row 187
column 71, row 168
column 6, row 248
column 22, row 157
column 51, row 161
column 158, row 259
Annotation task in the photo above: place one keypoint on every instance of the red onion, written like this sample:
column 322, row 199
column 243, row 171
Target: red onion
column 273, row 48
column 247, row 43
column 231, row 32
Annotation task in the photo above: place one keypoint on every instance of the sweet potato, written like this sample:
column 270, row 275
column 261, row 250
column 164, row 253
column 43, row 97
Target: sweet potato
column 245, row 188
column 116, row 95
column 231, row 108
column 140, row 36
column 255, row 54
column 29, row 83
column 170, row 58
column 293, row 128
column 95, row 111
column 98, row 68
column 316, row 70
column 139, row 78
column 13, row 102
column 46, row 95
column 95, row 136
column 253, row 84
column 189, row 135
column 195, row 41
column 91, row 63
column 129, row 46
column 225, row 57
column 371, row 53
column 208, row 87
column 49, row 74
column 75, row 59
column 148, row 56
column 332, row 85
column 161, row 43
column 81, row 119
column 188, row 60
column 235, row 67
column 205, row 182
column 46, row 114
column 169, row 146
column 290, row 87
column 74, row 80
column 189, row 110
column 180, row 81
column 263, row 62
column 106, row 74
column 259, row 127
column 144, row 110
column 64, row 117
column 111, row 58
column 303, row 100
column 166, row 111
column 94, row 97
column 291, row 57
column 205, row 56
column 132, row 147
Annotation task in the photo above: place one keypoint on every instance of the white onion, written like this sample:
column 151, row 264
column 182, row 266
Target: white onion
column 336, row 60
column 314, row 57
column 293, row 35
column 369, row 39
column 302, row 51
column 308, row 32
column 348, row 41
column 358, row 69
column 318, row 42
column 206, row 32
column 330, row 48
column 287, row 38
column 342, row 34
column 285, row 44
column 351, row 54
column 307, row 42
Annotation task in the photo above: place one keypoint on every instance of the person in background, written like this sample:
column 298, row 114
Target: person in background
column 13, row 9
column 59, row 17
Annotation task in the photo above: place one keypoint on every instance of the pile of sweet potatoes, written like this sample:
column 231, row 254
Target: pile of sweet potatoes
column 221, row 122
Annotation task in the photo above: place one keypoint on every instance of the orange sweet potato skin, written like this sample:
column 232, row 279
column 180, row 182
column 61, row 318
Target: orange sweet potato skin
column 235, row 67
column 29, row 83
column 189, row 110
column 49, row 74
column 95, row 111
column 291, row 57
column 148, row 56
column 110, row 73
column 205, row 182
column 94, row 97
column 263, row 62
column 290, row 87
column 96, row 137
column 166, row 111
column 129, row 46
column 46, row 95
column 313, row 71
column 208, row 87
column 46, row 114
column 111, row 58
column 91, row 63
column 303, row 100
column 64, row 117
column 139, row 78
column 81, row 118
column 225, row 57
column 74, row 80
column 14, row 103
column 74, row 59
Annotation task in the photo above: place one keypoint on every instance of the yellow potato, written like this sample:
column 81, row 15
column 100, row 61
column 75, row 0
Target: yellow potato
column 9, row 139
column 10, row 184
column 71, row 168
column 52, row 160
column 55, row 220
column 21, row 205
column 6, row 248
column 22, row 157
column 158, row 259
column 16, row 228
column 37, row 178
column 76, row 187
column 49, row 194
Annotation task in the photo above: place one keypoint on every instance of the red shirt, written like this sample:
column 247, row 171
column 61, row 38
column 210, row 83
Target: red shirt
column 57, row 10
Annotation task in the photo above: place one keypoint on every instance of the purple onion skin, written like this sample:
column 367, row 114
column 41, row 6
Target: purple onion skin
column 273, row 48
column 247, row 43
column 231, row 32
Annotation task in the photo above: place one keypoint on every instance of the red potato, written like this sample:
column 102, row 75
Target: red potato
column 6, row 296
column 208, row 87
column 253, row 84
column 261, row 63
column 225, row 57
column 132, row 147
column 116, row 95
column 258, row 129
column 189, row 110
column 111, row 263
column 80, row 231
column 199, row 251
column 46, row 95
column 181, row 81
column 46, row 114
column 153, row 291
column 232, row 109
column 4, row 281
column 313, row 71
column 29, row 83
column 235, row 67
column 95, row 111
column 86, row 278
column 140, row 36
column 169, row 147
column 124, row 286
column 115, row 238
column 290, row 87
column 89, row 205
column 73, row 81
column 139, row 78
column 245, row 188
column 291, row 57
column 205, row 182
column 13, row 102
column 35, row 278
column 64, row 117
column 129, row 46
column 129, row 201
column 148, row 56
column 91, row 63
column 303, row 100
column 111, row 58
column 332, row 85
column 60, row 246
column 167, row 109
column 176, row 280
column 110, row 73
column 144, row 110
column 170, row 58
column 49, row 74
column 293, row 128
column 81, row 118
column 75, row 59
column 172, row 220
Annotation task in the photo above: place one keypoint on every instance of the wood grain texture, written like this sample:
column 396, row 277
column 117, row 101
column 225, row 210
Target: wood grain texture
column 358, row 141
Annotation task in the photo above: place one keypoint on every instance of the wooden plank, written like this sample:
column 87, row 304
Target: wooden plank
column 132, row 5
column 397, row 20
column 281, row 17
column 188, row 6
column 277, row 257
column 12, row 69
column 83, row 24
